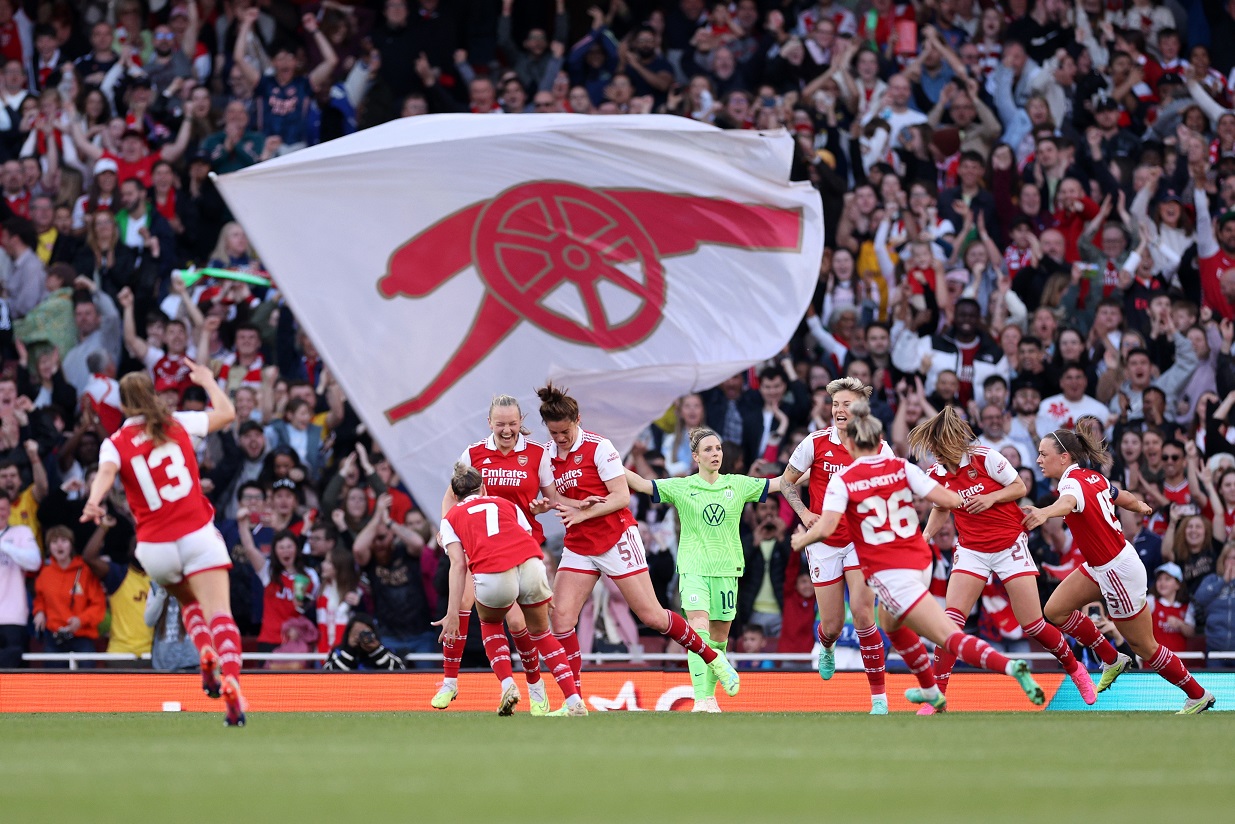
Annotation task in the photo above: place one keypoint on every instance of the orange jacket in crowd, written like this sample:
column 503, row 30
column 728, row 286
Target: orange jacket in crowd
column 63, row 593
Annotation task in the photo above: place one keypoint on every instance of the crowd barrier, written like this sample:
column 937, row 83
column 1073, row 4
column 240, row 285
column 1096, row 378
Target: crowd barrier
column 608, row 690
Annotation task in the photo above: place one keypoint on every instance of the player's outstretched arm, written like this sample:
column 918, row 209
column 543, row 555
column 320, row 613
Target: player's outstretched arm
column 822, row 528
column 944, row 498
column 617, row 499
column 1035, row 516
column 934, row 522
column 103, row 482
column 1126, row 500
column 221, row 413
column 638, row 483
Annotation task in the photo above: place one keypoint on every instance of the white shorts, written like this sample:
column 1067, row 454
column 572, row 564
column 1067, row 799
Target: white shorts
column 899, row 590
column 625, row 558
column 528, row 583
column 1123, row 583
column 1012, row 562
column 828, row 564
column 172, row 561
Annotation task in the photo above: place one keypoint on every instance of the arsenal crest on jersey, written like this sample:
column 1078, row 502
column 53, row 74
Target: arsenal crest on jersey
column 522, row 460
column 973, row 473
column 578, row 459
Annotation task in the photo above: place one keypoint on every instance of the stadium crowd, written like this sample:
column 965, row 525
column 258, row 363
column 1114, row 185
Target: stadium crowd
column 1029, row 214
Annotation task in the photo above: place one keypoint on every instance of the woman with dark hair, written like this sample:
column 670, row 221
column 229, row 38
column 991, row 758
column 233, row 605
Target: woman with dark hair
column 289, row 585
column 361, row 649
column 1112, row 571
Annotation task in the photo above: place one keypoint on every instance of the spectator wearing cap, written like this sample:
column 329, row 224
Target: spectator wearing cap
column 98, row 329
column 27, row 282
column 135, row 160
column 284, row 97
column 236, row 146
column 242, row 456
column 103, row 191
column 1174, row 622
column 298, row 431
column 286, row 498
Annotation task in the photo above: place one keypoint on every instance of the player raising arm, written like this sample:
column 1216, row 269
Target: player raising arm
column 518, row 470
column 491, row 537
column 710, row 558
column 602, row 538
column 991, row 540
column 153, row 453
column 1112, row 570
column 875, row 493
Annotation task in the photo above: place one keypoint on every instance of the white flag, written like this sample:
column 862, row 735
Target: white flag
column 440, row 260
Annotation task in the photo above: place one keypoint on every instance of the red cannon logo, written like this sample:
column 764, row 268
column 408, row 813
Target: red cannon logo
column 532, row 239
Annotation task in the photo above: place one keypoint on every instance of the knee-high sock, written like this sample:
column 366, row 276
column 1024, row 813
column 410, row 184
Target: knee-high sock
column 944, row 660
column 528, row 655
column 1082, row 629
column 910, row 648
column 570, row 645
column 686, row 636
column 452, row 651
column 699, row 671
column 1051, row 638
column 870, row 644
column 1167, row 664
column 554, row 656
column 497, row 649
column 709, row 676
column 824, row 638
column 195, row 624
column 977, row 653
column 226, row 638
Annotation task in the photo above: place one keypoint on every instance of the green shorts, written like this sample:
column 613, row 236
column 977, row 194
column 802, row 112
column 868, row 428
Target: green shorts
column 719, row 596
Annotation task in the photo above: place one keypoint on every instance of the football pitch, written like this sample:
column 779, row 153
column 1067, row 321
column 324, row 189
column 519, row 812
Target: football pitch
column 609, row 767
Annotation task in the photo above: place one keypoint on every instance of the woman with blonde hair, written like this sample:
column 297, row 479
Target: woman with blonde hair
column 106, row 260
column 991, row 540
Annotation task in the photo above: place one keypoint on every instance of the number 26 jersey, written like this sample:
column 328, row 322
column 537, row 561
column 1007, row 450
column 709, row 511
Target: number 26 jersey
column 875, row 494
column 161, row 481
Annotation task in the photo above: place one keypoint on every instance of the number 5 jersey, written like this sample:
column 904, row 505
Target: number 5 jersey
column 161, row 481
column 875, row 493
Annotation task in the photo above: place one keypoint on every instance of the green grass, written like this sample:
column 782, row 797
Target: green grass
column 641, row 767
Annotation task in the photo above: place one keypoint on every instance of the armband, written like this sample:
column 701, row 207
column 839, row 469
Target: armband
column 1114, row 490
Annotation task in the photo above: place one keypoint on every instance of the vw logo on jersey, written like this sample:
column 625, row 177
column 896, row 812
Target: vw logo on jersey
column 714, row 514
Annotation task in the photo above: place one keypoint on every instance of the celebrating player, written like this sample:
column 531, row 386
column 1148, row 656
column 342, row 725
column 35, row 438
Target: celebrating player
column 177, row 543
column 991, row 540
column 507, row 566
column 1112, row 570
column 835, row 563
column 710, row 557
column 602, row 538
column 875, row 493
column 518, row 470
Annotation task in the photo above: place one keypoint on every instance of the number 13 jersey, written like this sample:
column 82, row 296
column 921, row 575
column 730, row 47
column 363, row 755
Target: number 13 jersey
column 161, row 482
column 875, row 494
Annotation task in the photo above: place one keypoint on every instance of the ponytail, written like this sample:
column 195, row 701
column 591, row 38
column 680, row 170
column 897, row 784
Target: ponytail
column 556, row 405
column 863, row 428
column 1082, row 446
column 945, row 435
column 137, row 398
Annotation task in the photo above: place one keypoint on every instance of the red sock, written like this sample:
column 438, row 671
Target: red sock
column 195, row 624
column 1082, row 629
column 909, row 646
column 554, row 656
column 227, row 643
column 570, row 645
column 452, row 652
column 976, row 653
column 682, row 632
column 944, row 660
column 497, row 649
column 1167, row 664
column 870, row 643
column 824, row 638
column 528, row 655
column 1051, row 638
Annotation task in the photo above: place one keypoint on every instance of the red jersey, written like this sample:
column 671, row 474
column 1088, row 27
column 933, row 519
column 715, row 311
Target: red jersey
column 1164, row 634
column 518, row 476
column 232, row 375
column 982, row 472
column 10, row 42
column 161, row 483
column 876, row 494
column 494, row 533
column 823, row 455
column 581, row 473
column 1175, row 494
column 1212, row 269
column 279, row 600
column 1093, row 521
column 142, row 169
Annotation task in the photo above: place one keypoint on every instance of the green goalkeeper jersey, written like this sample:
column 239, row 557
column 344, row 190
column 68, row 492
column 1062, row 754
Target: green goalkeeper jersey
column 710, row 515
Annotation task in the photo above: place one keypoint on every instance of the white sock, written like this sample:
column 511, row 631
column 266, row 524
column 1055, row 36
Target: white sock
column 573, row 700
column 1010, row 668
column 450, row 682
column 507, row 683
column 930, row 693
column 879, row 696
column 536, row 692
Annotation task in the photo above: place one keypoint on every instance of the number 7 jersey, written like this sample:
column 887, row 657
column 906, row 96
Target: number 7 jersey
column 161, row 482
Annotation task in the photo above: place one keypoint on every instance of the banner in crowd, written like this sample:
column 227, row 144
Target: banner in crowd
column 438, row 261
